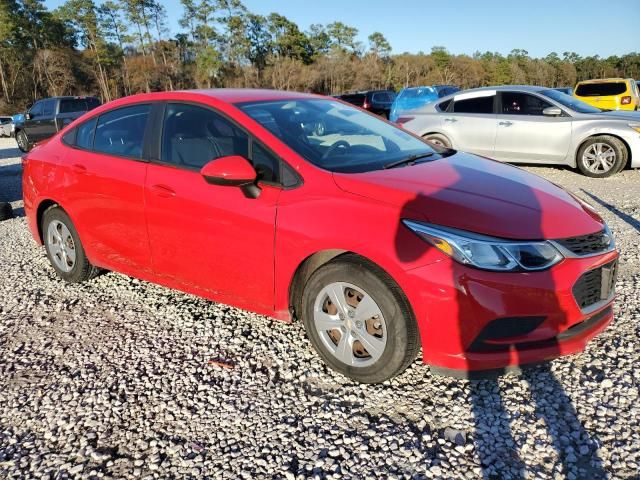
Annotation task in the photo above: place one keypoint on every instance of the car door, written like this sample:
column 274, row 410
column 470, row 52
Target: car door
column 524, row 134
column 470, row 122
column 32, row 121
column 46, row 126
column 207, row 236
column 104, row 174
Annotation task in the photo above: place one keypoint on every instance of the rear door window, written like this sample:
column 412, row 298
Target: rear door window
column 601, row 89
column 483, row 104
column 121, row 132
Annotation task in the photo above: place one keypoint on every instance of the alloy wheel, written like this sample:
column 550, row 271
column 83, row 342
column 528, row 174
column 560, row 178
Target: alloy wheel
column 599, row 158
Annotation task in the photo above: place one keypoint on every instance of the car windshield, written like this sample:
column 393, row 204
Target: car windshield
column 337, row 137
column 570, row 102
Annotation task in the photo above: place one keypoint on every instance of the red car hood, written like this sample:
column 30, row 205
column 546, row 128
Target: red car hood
column 479, row 195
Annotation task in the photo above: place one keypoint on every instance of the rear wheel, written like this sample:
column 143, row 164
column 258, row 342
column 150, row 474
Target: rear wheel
column 359, row 321
column 602, row 156
column 437, row 139
column 23, row 141
column 63, row 247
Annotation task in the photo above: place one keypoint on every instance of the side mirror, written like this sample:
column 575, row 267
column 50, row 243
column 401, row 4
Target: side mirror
column 552, row 112
column 232, row 171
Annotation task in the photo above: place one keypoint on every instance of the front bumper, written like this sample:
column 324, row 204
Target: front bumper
column 477, row 321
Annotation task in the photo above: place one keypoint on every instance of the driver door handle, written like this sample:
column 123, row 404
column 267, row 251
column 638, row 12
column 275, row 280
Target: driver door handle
column 163, row 191
column 452, row 120
column 505, row 123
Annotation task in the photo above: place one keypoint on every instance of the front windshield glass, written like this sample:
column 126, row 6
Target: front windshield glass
column 570, row 102
column 337, row 137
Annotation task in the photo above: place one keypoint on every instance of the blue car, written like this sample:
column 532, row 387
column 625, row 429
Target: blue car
column 415, row 97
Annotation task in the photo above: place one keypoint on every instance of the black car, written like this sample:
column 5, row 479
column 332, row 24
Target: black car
column 376, row 101
column 48, row 116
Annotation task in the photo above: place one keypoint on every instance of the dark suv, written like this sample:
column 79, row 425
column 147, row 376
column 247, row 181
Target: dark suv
column 48, row 116
column 376, row 101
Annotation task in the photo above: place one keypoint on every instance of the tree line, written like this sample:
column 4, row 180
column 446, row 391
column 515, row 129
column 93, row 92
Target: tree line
column 121, row 47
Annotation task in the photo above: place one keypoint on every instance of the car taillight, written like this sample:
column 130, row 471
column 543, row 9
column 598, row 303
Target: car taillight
column 402, row 120
column 366, row 105
column 625, row 100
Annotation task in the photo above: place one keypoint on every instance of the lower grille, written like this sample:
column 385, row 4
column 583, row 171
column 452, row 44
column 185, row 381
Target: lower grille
column 596, row 285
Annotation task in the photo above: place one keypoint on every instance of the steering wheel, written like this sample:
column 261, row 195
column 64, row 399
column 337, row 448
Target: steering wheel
column 334, row 147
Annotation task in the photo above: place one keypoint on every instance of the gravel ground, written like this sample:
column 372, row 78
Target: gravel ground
column 119, row 378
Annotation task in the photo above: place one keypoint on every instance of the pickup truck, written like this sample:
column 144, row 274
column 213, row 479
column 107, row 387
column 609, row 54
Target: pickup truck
column 48, row 116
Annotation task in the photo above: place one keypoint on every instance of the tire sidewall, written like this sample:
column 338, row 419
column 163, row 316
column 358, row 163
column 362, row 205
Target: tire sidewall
column 77, row 272
column 27, row 146
column 394, row 354
column 614, row 143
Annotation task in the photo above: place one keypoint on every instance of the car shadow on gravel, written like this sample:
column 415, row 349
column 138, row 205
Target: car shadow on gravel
column 457, row 312
column 632, row 221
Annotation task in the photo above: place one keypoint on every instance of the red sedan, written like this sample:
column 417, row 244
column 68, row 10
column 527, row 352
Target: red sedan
column 380, row 243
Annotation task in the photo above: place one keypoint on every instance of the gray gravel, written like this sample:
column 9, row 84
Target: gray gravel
column 119, row 378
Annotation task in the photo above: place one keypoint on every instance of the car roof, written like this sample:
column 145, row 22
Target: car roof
column 239, row 95
column 500, row 88
column 605, row 80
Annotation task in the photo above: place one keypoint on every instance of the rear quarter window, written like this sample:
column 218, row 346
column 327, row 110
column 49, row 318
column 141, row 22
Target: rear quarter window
column 602, row 89
column 442, row 106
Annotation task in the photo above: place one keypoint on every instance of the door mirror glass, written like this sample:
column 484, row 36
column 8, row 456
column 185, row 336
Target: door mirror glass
column 232, row 171
column 552, row 112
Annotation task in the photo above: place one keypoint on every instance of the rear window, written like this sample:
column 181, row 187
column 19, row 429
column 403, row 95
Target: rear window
column 68, row 105
column 601, row 89
column 357, row 99
column 383, row 97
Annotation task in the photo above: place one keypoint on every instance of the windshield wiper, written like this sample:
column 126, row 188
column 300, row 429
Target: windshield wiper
column 410, row 160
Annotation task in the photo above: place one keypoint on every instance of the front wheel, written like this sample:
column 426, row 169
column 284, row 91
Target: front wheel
column 359, row 321
column 602, row 156
column 23, row 141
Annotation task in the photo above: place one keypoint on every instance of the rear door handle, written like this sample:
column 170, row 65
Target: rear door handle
column 163, row 191
column 506, row 124
column 77, row 168
column 452, row 120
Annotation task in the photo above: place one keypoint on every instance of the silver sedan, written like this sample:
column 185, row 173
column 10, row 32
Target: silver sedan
column 524, row 124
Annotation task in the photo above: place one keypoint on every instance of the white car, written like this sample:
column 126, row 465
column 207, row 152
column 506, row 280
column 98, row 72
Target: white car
column 524, row 124
column 6, row 126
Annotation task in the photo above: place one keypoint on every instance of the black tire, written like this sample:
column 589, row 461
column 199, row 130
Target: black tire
column 619, row 148
column 6, row 212
column 402, row 338
column 23, row 141
column 438, row 140
column 82, row 270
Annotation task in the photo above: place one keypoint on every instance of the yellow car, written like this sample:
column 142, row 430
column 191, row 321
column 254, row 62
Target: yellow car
column 609, row 93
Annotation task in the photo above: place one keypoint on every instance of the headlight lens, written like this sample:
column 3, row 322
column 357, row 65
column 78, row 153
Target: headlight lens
column 485, row 252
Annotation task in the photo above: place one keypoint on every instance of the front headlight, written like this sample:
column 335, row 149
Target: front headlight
column 487, row 253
